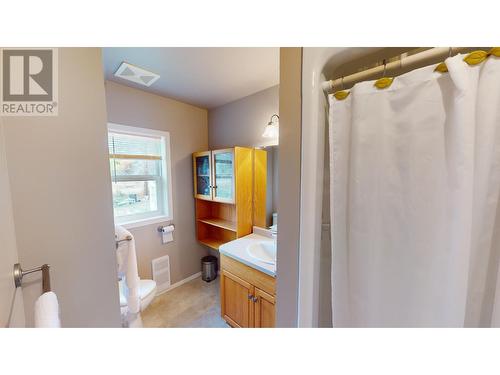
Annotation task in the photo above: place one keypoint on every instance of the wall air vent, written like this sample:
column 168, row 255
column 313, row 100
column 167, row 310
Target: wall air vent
column 161, row 273
column 136, row 74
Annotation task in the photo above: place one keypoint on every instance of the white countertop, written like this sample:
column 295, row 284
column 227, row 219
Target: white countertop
column 237, row 249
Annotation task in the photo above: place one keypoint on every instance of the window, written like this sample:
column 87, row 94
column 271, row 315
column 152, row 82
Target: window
column 139, row 160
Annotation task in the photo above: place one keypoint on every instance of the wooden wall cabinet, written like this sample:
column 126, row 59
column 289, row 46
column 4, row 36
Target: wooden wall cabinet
column 225, row 193
column 214, row 174
column 202, row 166
column 247, row 295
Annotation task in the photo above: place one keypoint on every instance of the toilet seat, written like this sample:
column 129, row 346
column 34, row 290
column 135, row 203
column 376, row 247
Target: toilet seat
column 147, row 291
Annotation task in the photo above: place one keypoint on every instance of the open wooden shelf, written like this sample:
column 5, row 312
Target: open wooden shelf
column 221, row 223
column 213, row 232
column 212, row 242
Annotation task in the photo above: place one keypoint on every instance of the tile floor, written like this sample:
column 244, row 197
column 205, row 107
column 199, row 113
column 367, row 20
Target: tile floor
column 195, row 304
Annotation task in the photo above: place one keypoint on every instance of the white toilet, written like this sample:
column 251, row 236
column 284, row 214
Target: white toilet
column 147, row 288
column 147, row 291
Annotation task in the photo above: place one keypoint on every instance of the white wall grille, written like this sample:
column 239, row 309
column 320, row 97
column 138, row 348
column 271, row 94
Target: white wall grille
column 161, row 272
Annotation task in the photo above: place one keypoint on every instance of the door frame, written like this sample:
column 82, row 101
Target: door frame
column 12, row 312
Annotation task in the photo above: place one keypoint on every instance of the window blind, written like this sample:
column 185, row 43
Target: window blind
column 134, row 157
column 128, row 146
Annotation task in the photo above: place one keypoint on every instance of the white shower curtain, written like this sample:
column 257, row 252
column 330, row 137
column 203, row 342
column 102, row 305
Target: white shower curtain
column 415, row 182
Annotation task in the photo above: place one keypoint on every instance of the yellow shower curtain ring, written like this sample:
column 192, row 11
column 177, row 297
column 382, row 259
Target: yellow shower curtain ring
column 441, row 67
column 341, row 94
column 383, row 82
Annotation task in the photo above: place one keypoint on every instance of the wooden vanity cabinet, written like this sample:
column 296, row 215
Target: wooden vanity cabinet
column 264, row 311
column 247, row 295
column 236, row 300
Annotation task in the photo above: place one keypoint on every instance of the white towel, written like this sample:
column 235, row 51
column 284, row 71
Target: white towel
column 47, row 311
column 127, row 265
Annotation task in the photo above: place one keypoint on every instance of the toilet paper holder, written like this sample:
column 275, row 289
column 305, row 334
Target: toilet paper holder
column 161, row 228
column 166, row 233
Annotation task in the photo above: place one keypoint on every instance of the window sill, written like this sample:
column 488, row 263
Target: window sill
column 144, row 222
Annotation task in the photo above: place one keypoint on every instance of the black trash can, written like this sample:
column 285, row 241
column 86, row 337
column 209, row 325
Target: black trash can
column 209, row 268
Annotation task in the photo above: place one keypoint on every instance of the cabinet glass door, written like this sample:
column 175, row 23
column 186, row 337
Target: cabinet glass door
column 203, row 177
column 223, row 161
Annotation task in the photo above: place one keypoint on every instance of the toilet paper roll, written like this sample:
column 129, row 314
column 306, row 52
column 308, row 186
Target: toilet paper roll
column 167, row 234
column 167, row 229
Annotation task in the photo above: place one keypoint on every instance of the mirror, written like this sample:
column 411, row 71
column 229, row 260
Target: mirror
column 266, row 187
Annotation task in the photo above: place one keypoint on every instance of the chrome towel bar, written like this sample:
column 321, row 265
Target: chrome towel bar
column 118, row 242
column 19, row 274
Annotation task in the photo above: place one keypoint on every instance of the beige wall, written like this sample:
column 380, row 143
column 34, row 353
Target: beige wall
column 289, row 186
column 241, row 123
column 188, row 129
column 61, row 196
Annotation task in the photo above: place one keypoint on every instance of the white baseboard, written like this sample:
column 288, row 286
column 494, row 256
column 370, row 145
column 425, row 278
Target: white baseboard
column 179, row 283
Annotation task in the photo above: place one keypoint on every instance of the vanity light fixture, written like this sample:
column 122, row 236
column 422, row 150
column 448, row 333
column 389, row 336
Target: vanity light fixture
column 272, row 129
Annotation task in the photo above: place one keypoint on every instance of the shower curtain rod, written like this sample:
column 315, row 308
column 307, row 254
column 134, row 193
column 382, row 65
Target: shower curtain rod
column 412, row 61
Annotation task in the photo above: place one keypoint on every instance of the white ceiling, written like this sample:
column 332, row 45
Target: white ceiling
column 206, row 77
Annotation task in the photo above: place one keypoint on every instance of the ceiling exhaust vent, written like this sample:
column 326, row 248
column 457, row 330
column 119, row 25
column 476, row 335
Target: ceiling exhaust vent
column 136, row 74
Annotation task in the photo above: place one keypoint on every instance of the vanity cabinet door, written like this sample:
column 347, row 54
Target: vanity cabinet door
column 202, row 170
column 237, row 307
column 265, row 311
column 223, row 167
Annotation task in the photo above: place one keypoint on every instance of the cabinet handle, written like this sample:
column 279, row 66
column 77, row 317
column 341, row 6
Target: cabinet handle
column 254, row 299
column 250, row 296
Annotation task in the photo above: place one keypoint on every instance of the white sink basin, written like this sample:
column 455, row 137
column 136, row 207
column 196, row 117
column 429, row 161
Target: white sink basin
column 264, row 251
